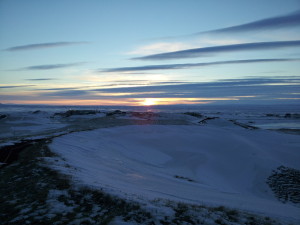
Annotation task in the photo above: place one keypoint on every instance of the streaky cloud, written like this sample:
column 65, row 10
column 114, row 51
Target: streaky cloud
column 41, row 79
column 17, row 86
column 43, row 45
column 207, row 51
column 278, row 22
column 213, row 87
column 191, row 65
column 255, row 90
column 56, row 89
column 65, row 93
column 260, row 88
column 51, row 66
column 286, row 21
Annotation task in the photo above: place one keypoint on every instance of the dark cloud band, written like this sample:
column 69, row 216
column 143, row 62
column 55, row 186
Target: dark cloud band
column 52, row 66
column 207, row 87
column 16, row 86
column 289, row 20
column 41, row 79
column 254, row 90
column 201, row 52
column 285, row 21
column 191, row 65
column 43, row 45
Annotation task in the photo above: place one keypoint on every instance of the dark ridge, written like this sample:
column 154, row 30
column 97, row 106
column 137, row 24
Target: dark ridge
column 36, row 112
column 116, row 112
column 184, row 178
column 288, row 131
column 291, row 115
column 76, row 112
column 194, row 114
column 207, row 118
column 246, row 126
column 287, row 115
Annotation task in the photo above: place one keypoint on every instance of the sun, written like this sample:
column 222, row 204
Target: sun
column 149, row 101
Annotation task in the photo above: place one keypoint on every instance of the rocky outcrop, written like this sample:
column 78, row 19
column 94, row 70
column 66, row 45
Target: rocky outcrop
column 292, row 115
column 10, row 153
column 243, row 125
column 207, row 118
column 194, row 114
column 287, row 115
column 36, row 112
column 285, row 183
column 3, row 116
column 76, row 112
column 116, row 112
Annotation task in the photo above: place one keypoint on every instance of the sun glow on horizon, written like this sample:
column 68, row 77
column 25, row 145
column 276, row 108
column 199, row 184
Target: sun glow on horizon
column 150, row 101
column 122, row 101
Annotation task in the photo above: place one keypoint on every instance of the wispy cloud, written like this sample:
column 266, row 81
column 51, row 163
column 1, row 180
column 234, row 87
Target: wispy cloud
column 43, row 45
column 191, row 65
column 207, row 51
column 51, row 66
column 278, row 22
column 264, row 88
column 250, row 90
column 216, row 88
column 41, row 79
column 286, row 21
column 65, row 93
column 16, row 86
column 57, row 89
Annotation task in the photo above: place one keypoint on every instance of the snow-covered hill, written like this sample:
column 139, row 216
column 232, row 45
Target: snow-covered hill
column 217, row 163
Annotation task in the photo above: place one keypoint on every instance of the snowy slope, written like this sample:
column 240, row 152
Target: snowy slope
column 217, row 164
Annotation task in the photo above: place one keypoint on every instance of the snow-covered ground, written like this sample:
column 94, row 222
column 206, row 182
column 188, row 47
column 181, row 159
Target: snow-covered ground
column 218, row 163
column 223, row 160
column 19, row 122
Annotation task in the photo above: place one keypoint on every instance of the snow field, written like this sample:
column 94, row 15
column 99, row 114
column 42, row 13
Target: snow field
column 215, row 164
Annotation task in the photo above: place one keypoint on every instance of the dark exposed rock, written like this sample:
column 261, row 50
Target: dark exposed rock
column 36, row 112
column 288, row 131
column 116, row 112
column 3, row 116
column 9, row 154
column 292, row 115
column 195, row 114
column 246, row 126
column 184, row 178
column 206, row 119
column 285, row 183
column 272, row 115
column 287, row 115
column 76, row 112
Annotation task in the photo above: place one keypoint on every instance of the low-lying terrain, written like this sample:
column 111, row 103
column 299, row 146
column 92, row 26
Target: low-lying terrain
column 147, row 168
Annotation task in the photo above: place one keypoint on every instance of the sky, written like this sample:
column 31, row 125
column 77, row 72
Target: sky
column 133, row 52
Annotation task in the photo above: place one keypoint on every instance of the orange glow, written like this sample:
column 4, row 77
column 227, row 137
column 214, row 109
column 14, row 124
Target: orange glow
column 150, row 101
column 174, row 101
column 115, row 102
column 122, row 101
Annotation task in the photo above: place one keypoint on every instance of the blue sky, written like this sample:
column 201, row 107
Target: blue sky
column 172, row 52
